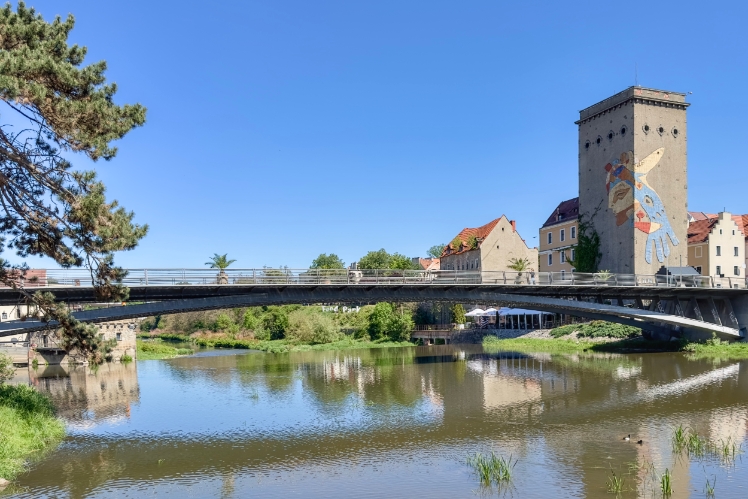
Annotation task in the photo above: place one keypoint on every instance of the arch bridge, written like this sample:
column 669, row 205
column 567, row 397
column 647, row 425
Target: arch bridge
column 693, row 306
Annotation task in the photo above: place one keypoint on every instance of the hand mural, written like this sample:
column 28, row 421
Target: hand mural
column 632, row 199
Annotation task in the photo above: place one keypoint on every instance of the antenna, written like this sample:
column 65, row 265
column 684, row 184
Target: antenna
column 636, row 75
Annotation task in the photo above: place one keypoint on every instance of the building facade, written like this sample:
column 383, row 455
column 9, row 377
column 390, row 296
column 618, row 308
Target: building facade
column 487, row 248
column 558, row 236
column 632, row 178
column 717, row 246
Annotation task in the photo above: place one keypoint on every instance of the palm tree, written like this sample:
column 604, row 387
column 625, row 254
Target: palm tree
column 220, row 262
column 519, row 265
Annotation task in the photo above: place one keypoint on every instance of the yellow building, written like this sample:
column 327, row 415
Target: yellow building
column 558, row 237
column 716, row 246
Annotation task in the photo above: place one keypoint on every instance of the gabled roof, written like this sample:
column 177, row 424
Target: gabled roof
column 699, row 231
column 480, row 234
column 700, row 215
column 565, row 211
column 428, row 263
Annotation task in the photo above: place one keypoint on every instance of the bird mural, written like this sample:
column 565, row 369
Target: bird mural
column 632, row 199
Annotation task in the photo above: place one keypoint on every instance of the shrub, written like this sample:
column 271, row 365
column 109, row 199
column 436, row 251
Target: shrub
column 275, row 322
column 565, row 330
column 222, row 323
column 250, row 321
column 6, row 368
column 386, row 323
column 308, row 327
column 604, row 329
column 458, row 314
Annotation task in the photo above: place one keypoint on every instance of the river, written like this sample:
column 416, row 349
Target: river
column 390, row 423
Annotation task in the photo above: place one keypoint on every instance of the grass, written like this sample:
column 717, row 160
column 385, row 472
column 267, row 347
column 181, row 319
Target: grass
column 709, row 487
column 155, row 349
column 666, row 483
column 615, row 483
column 689, row 441
column 492, row 469
column 597, row 329
column 710, row 349
column 28, row 427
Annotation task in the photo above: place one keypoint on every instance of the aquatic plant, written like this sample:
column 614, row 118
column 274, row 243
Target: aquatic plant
column 709, row 487
column 492, row 468
column 615, row 483
column 666, row 483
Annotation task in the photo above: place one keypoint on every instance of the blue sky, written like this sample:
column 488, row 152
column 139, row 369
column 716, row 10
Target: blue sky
column 278, row 130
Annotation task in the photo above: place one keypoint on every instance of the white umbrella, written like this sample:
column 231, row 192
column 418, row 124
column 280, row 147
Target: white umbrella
column 490, row 311
column 474, row 313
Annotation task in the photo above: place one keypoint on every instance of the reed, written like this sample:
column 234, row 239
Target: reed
column 709, row 487
column 491, row 468
column 615, row 483
column 666, row 483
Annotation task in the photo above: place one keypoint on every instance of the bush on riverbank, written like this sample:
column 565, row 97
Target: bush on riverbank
column 597, row 329
column 155, row 349
column 302, row 325
column 713, row 348
column 27, row 427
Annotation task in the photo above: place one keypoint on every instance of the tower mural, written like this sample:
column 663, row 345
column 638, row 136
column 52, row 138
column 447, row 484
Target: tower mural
column 633, row 200
column 632, row 179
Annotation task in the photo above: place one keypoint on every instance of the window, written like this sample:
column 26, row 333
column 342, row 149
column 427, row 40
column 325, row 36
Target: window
column 736, row 270
column 119, row 336
column 719, row 270
column 719, row 252
column 698, row 269
column 697, row 252
column 563, row 235
column 736, row 252
column 733, row 232
column 550, row 259
column 563, row 257
column 477, row 263
column 720, row 231
column 550, row 238
column 5, row 315
column 573, row 255
column 560, row 217
column 573, row 232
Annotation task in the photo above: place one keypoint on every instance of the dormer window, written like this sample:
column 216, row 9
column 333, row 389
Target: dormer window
column 560, row 217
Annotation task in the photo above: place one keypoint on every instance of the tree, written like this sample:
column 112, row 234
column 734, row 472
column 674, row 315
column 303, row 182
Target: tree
column 519, row 264
column 436, row 250
column 458, row 314
column 220, row 262
column 375, row 260
column 325, row 261
column 385, row 322
column 383, row 260
column 49, row 209
column 587, row 251
column 6, row 368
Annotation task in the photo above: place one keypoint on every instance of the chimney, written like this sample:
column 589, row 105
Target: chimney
column 514, row 225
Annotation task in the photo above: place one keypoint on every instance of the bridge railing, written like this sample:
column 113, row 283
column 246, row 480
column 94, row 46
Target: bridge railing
column 268, row 276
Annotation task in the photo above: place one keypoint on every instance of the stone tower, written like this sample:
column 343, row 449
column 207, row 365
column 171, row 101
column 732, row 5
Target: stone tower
column 632, row 177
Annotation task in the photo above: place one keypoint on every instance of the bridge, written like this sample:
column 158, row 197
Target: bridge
column 695, row 306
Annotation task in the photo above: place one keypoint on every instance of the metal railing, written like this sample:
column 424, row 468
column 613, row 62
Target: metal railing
column 56, row 278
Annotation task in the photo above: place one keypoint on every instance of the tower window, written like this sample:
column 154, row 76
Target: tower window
column 675, row 132
column 661, row 130
column 719, row 252
column 645, row 128
column 610, row 135
column 598, row 140
column 736, row 270
column 587, row 145
column 736, row 251
column 623, row 130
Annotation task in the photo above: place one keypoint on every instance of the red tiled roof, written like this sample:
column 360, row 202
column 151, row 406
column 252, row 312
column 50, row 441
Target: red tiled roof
column 569, row 210
column 698, row 231
column 480, row 233
column 429, row 263
column 700, row 215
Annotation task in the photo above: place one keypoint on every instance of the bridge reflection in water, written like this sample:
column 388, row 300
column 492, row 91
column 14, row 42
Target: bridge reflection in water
column 336, row 423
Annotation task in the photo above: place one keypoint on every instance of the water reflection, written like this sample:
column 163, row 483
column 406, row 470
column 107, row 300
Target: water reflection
column 332, row 423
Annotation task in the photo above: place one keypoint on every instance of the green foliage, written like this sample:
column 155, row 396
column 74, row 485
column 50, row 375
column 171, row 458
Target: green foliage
column 325, row 261
column 311, row 328
column 587, row 250
column 6, row 368
column 250, row 320
column 125, row 359
column 27, row 426
column 60, row 107
column 472, row 242
column 386, row 323
column 275, row 322
column 219, row 261
column 458, row 314
column 519, row 264
column 155, row 349
column 597, row 329
column 491, row 468
column 436, row 250
column 382, row 260
column 456, row 243
column 223, row 322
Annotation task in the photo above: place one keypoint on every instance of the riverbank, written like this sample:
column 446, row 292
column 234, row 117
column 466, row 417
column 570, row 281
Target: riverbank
column 28, row 428
column 156, row 350
column 709, row 349
column 270, row 346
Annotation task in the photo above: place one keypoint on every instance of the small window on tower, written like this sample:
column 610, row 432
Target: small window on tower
column 623, row 130
column 610, row 135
